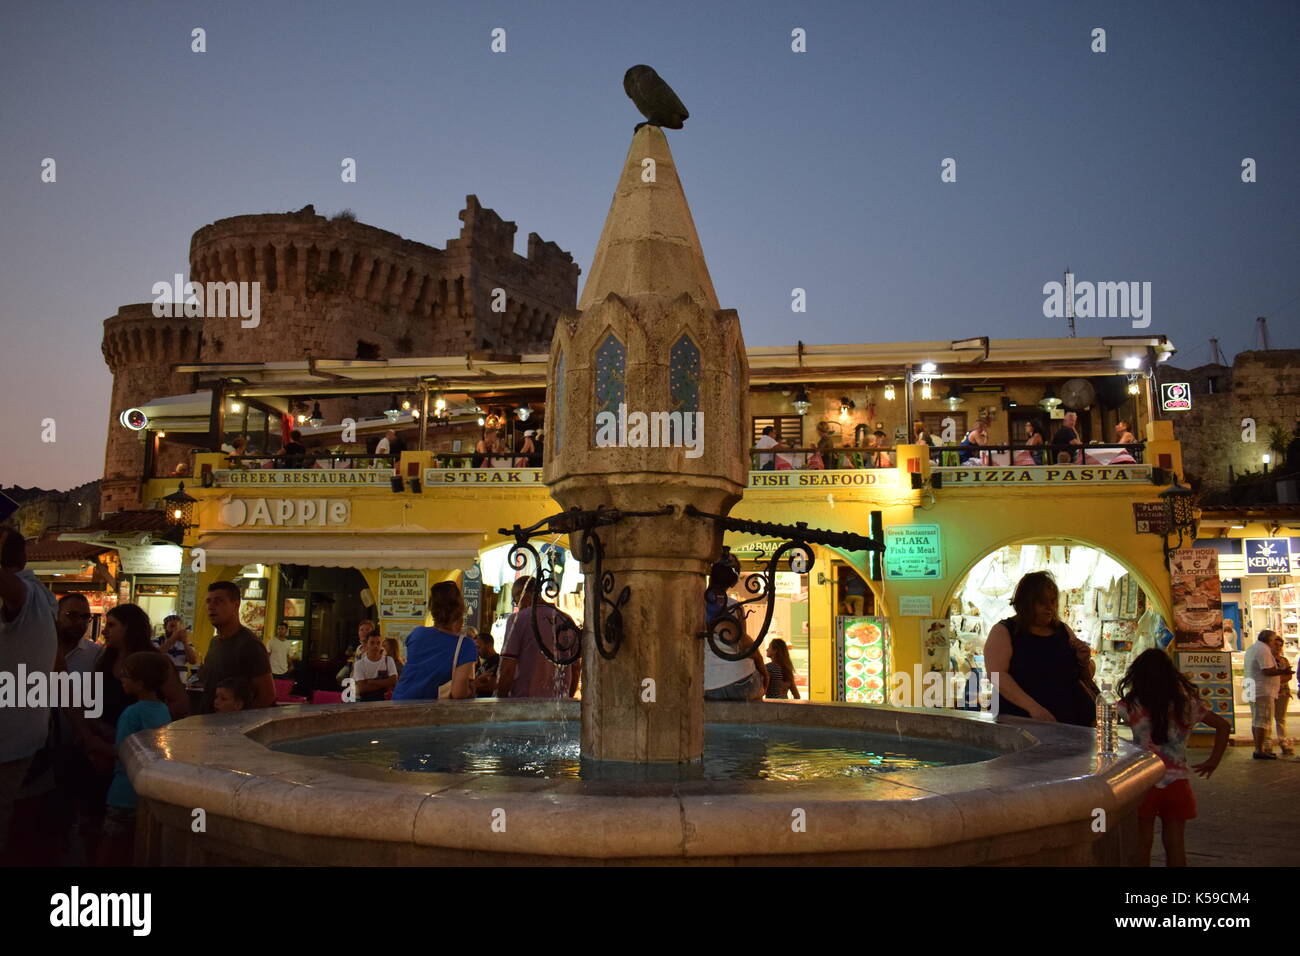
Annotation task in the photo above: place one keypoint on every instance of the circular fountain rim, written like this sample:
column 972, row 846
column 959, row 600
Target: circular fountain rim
column 1047, row 776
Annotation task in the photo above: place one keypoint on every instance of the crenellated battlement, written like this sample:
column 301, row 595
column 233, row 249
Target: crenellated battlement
column 339, row 288
column 135, row 337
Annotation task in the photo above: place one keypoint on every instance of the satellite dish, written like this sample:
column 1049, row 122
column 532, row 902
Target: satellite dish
column 1078, row 393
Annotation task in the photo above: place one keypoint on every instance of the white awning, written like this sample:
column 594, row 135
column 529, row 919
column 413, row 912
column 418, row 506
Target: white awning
column 445, row 550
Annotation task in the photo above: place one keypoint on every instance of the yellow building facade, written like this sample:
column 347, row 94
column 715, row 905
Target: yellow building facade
column 366, row 523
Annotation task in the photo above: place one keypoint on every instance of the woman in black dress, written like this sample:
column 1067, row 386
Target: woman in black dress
column 1036, row 661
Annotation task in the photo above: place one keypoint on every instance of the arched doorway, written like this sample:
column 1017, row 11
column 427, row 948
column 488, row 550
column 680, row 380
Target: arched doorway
column 1103, row 601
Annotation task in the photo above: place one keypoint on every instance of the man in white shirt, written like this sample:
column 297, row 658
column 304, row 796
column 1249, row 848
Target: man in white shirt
column 374, row 671
column 279, row 649
column 27, row 641
column 1260, row 686
column 767, row 440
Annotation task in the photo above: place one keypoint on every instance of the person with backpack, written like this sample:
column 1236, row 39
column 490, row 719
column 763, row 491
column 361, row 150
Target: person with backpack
column 1162, row 706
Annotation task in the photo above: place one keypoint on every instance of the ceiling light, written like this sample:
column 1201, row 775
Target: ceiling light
column 1133, row 362
column 801, row 403
column 929, row 368
column 889, row 392
column 316, row 420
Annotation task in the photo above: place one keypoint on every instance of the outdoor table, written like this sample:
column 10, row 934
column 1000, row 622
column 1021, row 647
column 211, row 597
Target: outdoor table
column 1104, row 456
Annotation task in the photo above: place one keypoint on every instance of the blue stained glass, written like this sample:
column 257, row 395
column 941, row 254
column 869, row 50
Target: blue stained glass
column 684, row 375
column 611, row 378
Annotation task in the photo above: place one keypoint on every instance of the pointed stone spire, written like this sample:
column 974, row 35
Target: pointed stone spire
column 649, row 243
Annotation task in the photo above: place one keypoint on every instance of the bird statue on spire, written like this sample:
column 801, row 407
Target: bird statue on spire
column 654, row 98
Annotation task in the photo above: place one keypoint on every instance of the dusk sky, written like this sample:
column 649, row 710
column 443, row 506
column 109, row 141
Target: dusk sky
column 818, row 170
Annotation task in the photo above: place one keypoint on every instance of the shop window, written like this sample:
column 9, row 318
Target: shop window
column 789, row 429
column 684, row 375
column 611, row 383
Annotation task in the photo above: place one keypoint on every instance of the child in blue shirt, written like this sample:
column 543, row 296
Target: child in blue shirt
column 144, row 673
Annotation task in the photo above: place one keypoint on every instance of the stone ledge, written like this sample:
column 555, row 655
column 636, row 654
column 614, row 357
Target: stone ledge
column 1046, row 780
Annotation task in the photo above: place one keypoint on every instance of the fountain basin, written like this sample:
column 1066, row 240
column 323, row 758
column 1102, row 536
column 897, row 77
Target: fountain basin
column 1046, row 799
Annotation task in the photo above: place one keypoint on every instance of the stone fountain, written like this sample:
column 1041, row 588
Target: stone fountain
column 649, row 337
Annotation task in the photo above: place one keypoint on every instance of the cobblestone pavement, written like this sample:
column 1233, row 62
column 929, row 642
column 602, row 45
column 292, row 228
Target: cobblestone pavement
column 1248, row 813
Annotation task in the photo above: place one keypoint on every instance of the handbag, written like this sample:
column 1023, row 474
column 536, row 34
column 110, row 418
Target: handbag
column 444, row 692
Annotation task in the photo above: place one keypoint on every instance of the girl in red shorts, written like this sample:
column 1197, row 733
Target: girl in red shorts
column 1162, row 707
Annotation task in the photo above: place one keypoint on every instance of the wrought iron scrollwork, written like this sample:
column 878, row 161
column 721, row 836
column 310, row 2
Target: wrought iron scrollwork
column 607, row 617
column 725, row 630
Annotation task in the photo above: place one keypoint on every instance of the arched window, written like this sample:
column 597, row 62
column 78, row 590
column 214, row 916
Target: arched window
column 610, row 379
column 684, row 375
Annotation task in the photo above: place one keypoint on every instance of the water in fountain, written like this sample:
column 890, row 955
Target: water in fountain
column 550, row 749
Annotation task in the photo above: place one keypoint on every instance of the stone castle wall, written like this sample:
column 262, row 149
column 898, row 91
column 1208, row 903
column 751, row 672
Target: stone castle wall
column 1264, row 386
column 335, row 288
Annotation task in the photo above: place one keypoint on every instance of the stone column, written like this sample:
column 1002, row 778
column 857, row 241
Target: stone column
column 649, row 338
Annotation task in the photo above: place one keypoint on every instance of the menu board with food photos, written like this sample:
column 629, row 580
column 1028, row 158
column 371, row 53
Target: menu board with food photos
column 1198, row 601
column 1211, row 674
column 862, row 664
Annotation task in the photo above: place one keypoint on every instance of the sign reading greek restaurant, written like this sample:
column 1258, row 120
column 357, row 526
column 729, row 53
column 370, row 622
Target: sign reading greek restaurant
column 402, row 593
column 320, row 477
column 1268, row 555
column 1040, row 475
column 913, row 551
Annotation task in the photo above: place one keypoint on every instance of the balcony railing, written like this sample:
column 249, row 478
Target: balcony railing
column 837, row 459
column 1019, row 453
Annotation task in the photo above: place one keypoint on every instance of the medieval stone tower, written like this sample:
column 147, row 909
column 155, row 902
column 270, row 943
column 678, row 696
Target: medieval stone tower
column 141, row 351
column 337, row 289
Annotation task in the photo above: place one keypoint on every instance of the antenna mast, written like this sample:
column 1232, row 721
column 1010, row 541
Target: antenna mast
column 1069, row 299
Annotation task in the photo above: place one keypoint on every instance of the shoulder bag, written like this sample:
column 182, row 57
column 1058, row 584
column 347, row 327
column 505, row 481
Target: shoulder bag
column 444, row 692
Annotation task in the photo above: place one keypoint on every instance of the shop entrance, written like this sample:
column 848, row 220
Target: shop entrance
column 1100, row 600
column 322, row 608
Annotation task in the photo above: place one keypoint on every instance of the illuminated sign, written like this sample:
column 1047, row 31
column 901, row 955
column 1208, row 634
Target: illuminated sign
column 134, row 419
column 285, row 512
column 1042, row 475
column 1175, row 397
column 814, row 479
column 1268, row 555
column 913, row 551
column 303, row 476
column 402, row 594
column 482, row 476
